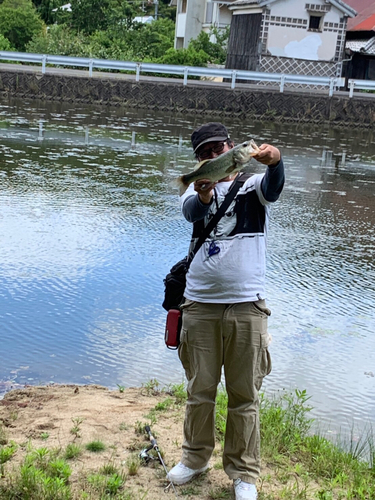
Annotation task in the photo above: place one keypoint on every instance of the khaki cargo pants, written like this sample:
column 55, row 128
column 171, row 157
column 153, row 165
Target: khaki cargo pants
column 234, row 336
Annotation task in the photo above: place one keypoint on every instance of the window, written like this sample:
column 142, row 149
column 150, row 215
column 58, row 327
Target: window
column 183, row 6
column 315, row 22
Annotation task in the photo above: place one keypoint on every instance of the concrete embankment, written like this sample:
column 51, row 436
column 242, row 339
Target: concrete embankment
column 203, row 97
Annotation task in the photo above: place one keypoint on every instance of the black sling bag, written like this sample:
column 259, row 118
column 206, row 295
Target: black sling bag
column 175, row 281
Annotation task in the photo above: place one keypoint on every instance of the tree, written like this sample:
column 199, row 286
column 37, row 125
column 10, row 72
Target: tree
column 151, row 41
column 217, row 51
column 89, row 15
column 19, row 22
column 5, row 43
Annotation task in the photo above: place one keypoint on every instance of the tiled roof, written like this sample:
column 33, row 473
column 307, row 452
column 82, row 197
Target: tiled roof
column 245, row 2
column 365, row 10
column 365, row 46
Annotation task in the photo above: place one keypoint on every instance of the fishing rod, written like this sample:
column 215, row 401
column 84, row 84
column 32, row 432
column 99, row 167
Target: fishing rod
column 146, row 457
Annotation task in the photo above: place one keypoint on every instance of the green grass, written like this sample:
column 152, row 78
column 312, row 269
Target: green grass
column 3, row 436
column 7, row 452
column 301, row 465
column 72, row 451
column 41, row 476
column 95, row 446
column 302, row 459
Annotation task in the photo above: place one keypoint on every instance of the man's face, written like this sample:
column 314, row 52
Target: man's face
column 211, row 150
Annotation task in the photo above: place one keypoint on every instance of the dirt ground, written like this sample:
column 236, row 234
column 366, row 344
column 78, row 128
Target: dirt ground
column 45, row 416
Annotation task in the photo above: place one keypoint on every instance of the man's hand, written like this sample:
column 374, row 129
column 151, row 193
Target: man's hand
column 269, row 155
column 204, row 188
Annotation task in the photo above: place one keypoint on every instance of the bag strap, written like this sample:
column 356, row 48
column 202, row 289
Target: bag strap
column 233, row 190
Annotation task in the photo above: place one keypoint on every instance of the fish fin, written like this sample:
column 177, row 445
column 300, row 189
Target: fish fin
column 198, row 165
column 180, row 184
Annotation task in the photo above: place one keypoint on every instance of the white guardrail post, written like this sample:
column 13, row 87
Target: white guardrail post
column 282, row 83
column 138, row 72
column 331, row 85
column 90, row 67
column 186, row 71
column 44, row 60
column 351, row 88
column 234, row 75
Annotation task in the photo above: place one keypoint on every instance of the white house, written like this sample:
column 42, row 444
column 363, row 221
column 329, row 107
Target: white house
column 194, row 16
column 293, row 36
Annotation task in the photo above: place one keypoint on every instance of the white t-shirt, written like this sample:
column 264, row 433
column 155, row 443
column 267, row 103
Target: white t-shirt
column 237, row 272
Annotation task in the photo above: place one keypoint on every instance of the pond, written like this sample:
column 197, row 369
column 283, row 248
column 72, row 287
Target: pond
column 90, row 224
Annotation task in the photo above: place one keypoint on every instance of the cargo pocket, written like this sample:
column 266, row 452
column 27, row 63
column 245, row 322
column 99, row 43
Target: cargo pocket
column 264, row 363
column 183, row 353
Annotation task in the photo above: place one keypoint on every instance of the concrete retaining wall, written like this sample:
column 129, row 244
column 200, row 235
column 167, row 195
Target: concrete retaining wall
column 217, row 99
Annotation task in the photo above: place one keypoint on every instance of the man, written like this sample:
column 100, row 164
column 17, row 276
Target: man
column 225, row 314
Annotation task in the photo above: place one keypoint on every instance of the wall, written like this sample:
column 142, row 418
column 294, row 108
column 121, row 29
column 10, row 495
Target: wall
column 288, row 34
column 196, row 10
column 171, row 95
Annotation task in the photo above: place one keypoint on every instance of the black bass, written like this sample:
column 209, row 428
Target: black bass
column 220, row 167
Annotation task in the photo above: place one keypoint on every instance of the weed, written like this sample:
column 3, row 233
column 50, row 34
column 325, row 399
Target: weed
column 221, row 415
column 139, row 427
column 13, row 415
column 44, row 436
column 123, row 426
column 95, row 446
column 164, row 405
column 121, row 388
column 76, row 429
column 72, row 451
column 114, row 483
column 108, row 469
column 133, row 463
column 190, row 489
column 219, row 492
column 178, row 391
column 7, row 452
column 151, row 388
column 59, row 468
column 3, row 436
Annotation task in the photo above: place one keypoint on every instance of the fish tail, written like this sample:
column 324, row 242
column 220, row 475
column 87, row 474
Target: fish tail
column 180, row 184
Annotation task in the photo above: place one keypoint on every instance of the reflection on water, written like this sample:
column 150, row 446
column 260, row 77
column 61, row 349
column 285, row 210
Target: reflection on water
column 90, row 225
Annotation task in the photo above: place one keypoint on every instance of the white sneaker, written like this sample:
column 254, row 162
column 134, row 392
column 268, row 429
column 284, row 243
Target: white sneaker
column 244, row 491
column 180, row 474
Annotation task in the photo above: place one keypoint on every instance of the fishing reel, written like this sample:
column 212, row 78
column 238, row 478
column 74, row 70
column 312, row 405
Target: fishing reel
column 146, row 457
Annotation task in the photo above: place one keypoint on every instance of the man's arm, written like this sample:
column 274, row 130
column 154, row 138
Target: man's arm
column 273, row 180
column 194, row 209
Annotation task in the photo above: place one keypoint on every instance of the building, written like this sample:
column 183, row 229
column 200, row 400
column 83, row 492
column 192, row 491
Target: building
column 360, row 42
column 194, row 16
column 289, row 36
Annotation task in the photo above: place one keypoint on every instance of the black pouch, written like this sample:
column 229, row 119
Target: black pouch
column 174, row 285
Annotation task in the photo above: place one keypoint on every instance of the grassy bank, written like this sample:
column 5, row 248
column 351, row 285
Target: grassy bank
column 295, row 463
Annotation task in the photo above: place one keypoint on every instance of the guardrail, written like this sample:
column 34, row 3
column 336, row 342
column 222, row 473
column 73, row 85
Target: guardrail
column 184, row 71
column 361, row 85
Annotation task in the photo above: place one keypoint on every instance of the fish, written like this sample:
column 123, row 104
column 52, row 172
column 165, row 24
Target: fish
column 220, row 167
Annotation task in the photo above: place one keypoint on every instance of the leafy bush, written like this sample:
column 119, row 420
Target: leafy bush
column 216, row 51
column 188, row 57
column 19, row 22
column 5, row 45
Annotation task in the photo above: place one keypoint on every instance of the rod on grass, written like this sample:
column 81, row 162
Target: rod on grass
column 146, row 457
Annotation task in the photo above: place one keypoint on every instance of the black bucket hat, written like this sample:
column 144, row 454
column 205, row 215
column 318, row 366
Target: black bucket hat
column 209, row 132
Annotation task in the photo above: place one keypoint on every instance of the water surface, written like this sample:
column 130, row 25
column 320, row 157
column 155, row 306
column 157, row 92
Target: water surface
column 90, row 225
